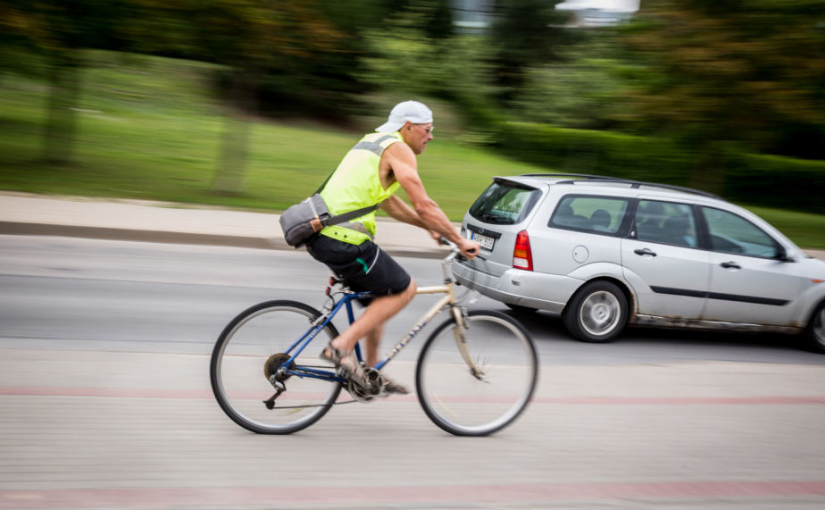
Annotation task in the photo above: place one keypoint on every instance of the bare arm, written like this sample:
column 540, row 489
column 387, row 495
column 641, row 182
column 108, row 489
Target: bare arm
column 397, row 209
column 429, row 215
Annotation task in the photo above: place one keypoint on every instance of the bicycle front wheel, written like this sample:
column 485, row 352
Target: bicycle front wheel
column 487, row 386
column 252, row 347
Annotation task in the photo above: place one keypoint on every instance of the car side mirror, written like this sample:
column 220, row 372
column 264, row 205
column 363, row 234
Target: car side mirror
column 782, row 254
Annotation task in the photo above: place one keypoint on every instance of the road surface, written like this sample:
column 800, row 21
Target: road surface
column 105, row 403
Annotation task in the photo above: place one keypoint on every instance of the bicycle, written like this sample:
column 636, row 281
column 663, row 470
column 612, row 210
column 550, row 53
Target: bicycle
column 475, row 374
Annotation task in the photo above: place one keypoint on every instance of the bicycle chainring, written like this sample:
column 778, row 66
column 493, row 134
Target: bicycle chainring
column 366, row 393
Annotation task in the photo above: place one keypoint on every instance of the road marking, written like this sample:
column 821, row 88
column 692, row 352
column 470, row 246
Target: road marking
column 61, row 391
column 156, row 497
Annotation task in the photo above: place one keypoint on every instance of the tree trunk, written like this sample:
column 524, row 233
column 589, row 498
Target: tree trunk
column 61, row 123
column 231, row 169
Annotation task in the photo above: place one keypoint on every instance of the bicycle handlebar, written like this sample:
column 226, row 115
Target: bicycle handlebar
column 454, row 251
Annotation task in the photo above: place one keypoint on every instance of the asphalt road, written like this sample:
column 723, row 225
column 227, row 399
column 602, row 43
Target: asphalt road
column 71, row 293
column 105, row 403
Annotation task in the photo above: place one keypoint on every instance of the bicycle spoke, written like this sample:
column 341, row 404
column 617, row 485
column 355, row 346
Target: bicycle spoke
column 467, row 403
column 251, row 350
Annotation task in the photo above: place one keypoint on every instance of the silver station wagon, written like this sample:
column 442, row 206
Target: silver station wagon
column 606, row 252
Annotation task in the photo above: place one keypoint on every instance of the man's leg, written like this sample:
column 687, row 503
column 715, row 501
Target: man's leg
column 373, row 345
column 374, row 317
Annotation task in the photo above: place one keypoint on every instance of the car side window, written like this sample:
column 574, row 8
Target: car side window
column 730, row 233
column 599, row 215
column 665, row 223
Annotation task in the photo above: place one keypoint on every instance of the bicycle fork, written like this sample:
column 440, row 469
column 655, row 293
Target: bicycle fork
column 462, row 324
column 461, row 341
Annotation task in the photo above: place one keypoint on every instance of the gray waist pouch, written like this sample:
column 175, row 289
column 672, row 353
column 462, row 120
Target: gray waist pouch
column 297, row 221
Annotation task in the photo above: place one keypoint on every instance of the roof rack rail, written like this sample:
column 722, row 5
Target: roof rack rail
column 633, row 184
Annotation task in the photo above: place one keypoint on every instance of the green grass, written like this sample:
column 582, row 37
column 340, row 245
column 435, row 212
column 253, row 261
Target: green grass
column 149, row 128
column 806, row 230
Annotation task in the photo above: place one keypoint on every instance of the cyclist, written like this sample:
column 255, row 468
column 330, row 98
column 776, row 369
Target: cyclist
column 369, row 174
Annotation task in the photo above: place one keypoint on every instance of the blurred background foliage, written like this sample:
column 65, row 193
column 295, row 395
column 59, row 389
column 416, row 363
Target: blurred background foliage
column 724, row 95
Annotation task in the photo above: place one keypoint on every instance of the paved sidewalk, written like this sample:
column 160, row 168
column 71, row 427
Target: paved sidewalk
column 142, row 430
column 135, row 220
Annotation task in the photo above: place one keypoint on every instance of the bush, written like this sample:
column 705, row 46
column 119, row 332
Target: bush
column 595, row 152
column 773, row 181
column 769, row 181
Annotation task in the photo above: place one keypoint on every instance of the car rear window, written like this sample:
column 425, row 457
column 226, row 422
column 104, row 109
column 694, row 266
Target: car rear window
column 504, row 203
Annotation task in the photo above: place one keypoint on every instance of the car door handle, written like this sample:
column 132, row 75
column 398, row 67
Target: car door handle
column 731, row 265
column 646, row 251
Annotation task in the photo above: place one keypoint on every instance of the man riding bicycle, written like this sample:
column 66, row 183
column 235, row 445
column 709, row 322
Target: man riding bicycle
column 369, row 174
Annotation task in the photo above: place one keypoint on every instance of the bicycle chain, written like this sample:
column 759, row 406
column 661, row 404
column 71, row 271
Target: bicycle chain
column 317, row 405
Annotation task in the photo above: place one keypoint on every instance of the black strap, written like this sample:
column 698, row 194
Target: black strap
column 343, row 218
column 324, row 184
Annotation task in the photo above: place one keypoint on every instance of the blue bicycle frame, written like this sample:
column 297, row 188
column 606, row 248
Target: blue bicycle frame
column 313, row 331
column 321, row 322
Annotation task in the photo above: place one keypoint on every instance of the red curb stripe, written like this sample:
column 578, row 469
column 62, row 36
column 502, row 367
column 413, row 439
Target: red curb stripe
column 59, row 391
column 46, row 391
column 757, row 400
column 246, row 496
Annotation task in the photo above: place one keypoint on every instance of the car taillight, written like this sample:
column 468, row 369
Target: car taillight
column 522, row 256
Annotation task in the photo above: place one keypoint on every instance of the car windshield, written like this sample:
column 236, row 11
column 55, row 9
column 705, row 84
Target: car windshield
column 504, row 203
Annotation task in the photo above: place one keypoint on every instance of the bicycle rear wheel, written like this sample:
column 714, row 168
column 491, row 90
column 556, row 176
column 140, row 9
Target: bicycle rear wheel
column 468, row 405
column 246, row 352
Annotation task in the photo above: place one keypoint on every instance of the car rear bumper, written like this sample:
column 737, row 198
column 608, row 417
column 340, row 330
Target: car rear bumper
column 517, row 287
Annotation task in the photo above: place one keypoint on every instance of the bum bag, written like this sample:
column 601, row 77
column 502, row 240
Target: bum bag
column 303, row 220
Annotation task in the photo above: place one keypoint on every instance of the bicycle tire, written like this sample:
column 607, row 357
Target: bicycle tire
column 460, row 403
column 237, row 369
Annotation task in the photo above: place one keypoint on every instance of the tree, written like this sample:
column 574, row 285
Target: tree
column 59, row 31
column 404, row 59
column 583, row 90
column 734, row 71
column 254, row 37
column 18, row 31
column 526, row 33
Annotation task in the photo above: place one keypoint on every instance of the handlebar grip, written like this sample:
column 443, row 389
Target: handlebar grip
column 443, row 241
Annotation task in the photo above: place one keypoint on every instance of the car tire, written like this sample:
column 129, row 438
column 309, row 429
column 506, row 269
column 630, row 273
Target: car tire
column 815, row 332
column 520, row 309
column 597, row 313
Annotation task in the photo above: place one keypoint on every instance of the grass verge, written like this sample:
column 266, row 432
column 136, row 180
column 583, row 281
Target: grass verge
column 149, row 128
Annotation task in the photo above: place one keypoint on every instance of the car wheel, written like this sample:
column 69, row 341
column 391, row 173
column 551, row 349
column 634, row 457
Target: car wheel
column 520, row 309
column 597, row 312
column 816, row 329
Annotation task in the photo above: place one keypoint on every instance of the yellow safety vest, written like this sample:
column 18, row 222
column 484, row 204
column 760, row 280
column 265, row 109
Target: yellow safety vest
column 356, row 184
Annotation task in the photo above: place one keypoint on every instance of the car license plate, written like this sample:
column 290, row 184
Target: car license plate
column 486, row 242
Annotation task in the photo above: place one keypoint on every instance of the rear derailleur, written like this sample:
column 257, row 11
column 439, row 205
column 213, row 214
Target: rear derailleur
column 275, row 372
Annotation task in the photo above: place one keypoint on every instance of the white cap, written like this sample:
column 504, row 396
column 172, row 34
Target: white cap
column 412, row 111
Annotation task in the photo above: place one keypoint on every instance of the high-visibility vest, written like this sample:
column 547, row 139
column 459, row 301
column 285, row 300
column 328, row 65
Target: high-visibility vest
column 356, row 184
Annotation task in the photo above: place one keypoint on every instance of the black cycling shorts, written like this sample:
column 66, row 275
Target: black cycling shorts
column 364, row 267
